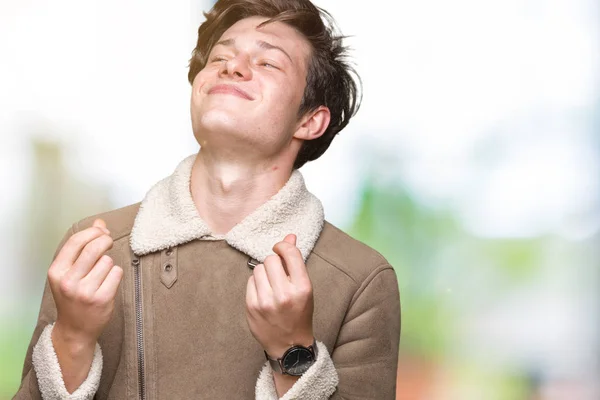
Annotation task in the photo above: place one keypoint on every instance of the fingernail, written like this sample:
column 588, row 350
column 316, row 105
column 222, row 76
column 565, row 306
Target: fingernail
column 106, row 231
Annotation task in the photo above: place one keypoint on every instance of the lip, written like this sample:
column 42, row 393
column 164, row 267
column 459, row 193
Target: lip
column 230, row 89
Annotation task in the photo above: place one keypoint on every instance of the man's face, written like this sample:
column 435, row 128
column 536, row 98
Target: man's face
column 249, row 92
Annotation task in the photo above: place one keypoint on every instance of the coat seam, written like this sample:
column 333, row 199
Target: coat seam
column 361, row 289
column 75, row 229
column 121, row 236
column 153, row 282
column 335, row 266
column 359, row 364
column 380, row 256
column 368, row 281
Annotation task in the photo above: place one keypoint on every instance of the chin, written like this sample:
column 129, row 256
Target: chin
column 222, row 121
column 220, row 126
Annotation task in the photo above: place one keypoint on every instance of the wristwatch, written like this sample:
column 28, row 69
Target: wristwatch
column 295, row 361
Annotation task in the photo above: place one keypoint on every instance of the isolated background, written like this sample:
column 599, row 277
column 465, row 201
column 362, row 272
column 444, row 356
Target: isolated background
column 473, row 166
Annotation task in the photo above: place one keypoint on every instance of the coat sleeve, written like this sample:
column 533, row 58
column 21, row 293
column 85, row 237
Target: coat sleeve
column 364, row 362
column 41, row 377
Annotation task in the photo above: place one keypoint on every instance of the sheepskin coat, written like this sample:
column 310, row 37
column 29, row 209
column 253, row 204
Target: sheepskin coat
column 179, row 328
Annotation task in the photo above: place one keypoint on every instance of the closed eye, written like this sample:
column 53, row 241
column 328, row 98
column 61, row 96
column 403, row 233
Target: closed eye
column 267, row 64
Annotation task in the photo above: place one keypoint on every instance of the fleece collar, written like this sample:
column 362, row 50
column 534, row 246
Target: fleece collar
column 168, row 217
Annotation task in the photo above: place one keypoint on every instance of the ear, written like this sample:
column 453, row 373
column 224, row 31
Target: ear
column 313, row 124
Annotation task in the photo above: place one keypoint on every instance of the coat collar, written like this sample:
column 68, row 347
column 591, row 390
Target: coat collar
column 168, row 217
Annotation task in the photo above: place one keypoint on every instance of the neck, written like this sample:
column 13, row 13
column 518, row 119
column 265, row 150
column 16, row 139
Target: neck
column 225, row 191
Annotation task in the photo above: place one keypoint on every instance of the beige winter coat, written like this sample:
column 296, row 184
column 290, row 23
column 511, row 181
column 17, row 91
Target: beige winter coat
column 179, row 329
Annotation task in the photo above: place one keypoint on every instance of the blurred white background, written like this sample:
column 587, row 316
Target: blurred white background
column 485, row 113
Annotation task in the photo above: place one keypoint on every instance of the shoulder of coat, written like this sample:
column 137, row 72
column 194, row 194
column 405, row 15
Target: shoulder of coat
column 119, row 221
column 350, row 256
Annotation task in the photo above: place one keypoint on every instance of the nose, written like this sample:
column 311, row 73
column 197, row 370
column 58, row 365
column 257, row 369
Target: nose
column 236, row 68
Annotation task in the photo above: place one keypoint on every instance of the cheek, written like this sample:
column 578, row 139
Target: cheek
column 295, row 95
column 284, row 94
column 289, row 100
column 198, row 83
column 301, row 87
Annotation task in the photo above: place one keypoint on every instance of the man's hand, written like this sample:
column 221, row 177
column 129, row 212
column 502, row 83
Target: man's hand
column 84, row 285
column 279, row 304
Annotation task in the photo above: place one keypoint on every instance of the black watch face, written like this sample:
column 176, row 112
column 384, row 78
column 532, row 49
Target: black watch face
column 297, row 361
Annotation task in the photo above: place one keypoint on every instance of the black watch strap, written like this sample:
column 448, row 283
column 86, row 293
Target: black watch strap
column 277, row 363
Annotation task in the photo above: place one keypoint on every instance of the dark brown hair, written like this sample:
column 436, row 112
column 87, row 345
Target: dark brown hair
column 329, row 79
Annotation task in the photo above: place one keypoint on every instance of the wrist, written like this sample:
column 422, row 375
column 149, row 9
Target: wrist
column 279, row 350
column 73, row 343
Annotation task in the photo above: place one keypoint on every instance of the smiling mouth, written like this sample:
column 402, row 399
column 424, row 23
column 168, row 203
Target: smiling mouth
column 230, row 89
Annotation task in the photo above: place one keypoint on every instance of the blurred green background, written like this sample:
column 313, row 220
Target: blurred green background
column 473, row 166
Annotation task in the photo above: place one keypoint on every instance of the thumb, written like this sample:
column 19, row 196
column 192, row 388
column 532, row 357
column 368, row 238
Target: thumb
column 291, row 239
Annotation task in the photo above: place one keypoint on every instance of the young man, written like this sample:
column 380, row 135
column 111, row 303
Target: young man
column 225, row 282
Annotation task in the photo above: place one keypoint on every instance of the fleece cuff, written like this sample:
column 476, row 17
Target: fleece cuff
column 317, row 383
column 49, row 374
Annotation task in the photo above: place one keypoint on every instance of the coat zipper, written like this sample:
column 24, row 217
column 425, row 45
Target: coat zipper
column 138, row 325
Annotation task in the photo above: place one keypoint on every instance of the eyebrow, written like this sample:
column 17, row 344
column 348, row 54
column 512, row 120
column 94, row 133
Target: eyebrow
column 261, row 43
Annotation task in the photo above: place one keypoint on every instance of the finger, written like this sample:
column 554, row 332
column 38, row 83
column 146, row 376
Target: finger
column 98, row 273
column 73, row 247
column 276, row 274
column 251, row 295
column 291, row 239
column 89, row 256
column 263, row 287
column 293, row 260
column 99, row 223
column 108, row 289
